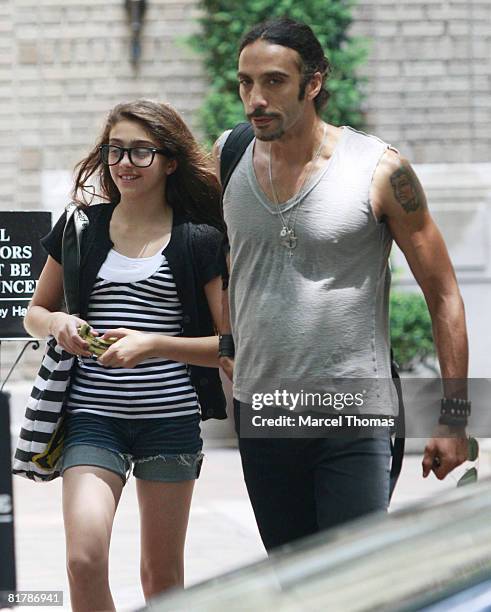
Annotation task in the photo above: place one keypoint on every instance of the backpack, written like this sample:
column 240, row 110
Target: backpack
column 232, row 151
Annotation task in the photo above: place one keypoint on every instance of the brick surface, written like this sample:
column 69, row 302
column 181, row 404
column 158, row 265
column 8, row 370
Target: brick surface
column 63, row 65
column 440, row 59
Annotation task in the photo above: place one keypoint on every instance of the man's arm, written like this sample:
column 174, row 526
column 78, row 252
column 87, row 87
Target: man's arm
column 398, row 198
column 226, row 363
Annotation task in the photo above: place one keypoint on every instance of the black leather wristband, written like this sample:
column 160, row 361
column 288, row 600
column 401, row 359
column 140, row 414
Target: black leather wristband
column 226, row 346
column 454, row 412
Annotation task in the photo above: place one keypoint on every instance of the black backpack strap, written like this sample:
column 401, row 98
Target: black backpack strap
column 76, row 222
column 232, row 151
column 397, row 445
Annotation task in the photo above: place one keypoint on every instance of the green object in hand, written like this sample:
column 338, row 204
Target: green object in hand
column 472, row 449
column 470, row 475
column 97, row 346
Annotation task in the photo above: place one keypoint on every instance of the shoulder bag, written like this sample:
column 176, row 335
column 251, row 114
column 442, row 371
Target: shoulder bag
column 40, row 441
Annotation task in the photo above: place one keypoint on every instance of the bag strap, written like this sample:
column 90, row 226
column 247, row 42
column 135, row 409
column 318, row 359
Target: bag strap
column 397, row 445
column 76, row 222
column 232, row 151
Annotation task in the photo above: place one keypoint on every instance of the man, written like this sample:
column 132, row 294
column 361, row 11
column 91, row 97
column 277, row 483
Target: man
column 311, row 212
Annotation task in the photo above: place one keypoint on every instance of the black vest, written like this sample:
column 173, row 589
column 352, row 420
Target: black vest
column 191, row 256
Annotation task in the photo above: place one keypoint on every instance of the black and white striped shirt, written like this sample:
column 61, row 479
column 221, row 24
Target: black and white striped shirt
column 138, row 294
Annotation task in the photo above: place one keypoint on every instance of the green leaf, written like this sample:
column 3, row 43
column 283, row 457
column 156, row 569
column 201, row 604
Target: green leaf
column 410, row 329
column 223, row 22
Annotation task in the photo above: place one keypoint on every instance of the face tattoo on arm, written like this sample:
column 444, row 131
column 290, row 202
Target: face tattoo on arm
column 407, row 189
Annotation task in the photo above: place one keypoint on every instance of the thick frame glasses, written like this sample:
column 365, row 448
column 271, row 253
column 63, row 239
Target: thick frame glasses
column 141, row 157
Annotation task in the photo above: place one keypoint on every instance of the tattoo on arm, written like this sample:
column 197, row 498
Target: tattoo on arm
column 407, row 189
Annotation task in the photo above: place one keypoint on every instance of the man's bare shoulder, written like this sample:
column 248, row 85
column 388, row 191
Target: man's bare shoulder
column 333, row 131
column 220, row 141
column 334, row 135
column 390, row 162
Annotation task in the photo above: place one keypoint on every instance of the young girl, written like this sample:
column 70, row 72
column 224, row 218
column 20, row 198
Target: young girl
column 148, row 277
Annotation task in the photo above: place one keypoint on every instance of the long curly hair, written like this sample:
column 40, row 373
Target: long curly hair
column 192, row 189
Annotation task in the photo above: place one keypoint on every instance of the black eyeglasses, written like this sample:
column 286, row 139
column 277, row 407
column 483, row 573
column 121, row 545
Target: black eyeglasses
column 141, row 157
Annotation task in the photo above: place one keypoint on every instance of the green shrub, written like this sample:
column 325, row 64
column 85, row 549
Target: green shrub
column 410, row 330
column 225, row 21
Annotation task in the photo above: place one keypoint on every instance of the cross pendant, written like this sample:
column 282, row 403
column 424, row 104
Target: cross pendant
column 288, row 239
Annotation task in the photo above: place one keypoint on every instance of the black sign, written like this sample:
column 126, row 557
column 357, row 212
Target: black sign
column 21, row 260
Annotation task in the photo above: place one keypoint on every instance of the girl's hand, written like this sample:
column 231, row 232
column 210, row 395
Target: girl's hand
column 131, row 348
column 64, row 329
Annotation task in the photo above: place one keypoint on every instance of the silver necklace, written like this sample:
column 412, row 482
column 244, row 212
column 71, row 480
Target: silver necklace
column 288, row 239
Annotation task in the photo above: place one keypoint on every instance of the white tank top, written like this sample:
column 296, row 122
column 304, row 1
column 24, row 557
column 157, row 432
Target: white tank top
column 322, row 313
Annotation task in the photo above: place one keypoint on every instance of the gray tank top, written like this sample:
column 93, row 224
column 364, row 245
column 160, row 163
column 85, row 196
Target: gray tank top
column 321, row 313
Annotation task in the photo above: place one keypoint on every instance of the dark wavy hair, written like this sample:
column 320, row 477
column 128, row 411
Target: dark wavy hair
column 299, row 37
column 192, row 188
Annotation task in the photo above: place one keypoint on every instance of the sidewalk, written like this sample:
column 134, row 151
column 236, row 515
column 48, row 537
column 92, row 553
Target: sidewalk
column 222, row 533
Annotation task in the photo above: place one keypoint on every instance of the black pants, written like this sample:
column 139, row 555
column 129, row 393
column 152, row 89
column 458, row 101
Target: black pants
column 300, row 486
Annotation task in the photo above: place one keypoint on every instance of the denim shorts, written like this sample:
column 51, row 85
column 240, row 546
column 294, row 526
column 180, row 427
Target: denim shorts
column 161, row 449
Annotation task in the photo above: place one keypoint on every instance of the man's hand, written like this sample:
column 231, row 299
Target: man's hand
column 445, row 451
column 227, row 365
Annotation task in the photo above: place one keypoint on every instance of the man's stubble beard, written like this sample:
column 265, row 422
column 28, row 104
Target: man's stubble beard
column 270, row 137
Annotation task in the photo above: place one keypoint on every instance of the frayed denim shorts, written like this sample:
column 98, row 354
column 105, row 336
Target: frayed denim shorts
column 161, row 449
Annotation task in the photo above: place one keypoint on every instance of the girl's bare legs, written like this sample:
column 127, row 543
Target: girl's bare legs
column 90, row 499
column 164, row 513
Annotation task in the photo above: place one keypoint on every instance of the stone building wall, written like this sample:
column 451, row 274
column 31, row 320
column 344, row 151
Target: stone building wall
column 64, row 64
column 429, row 76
